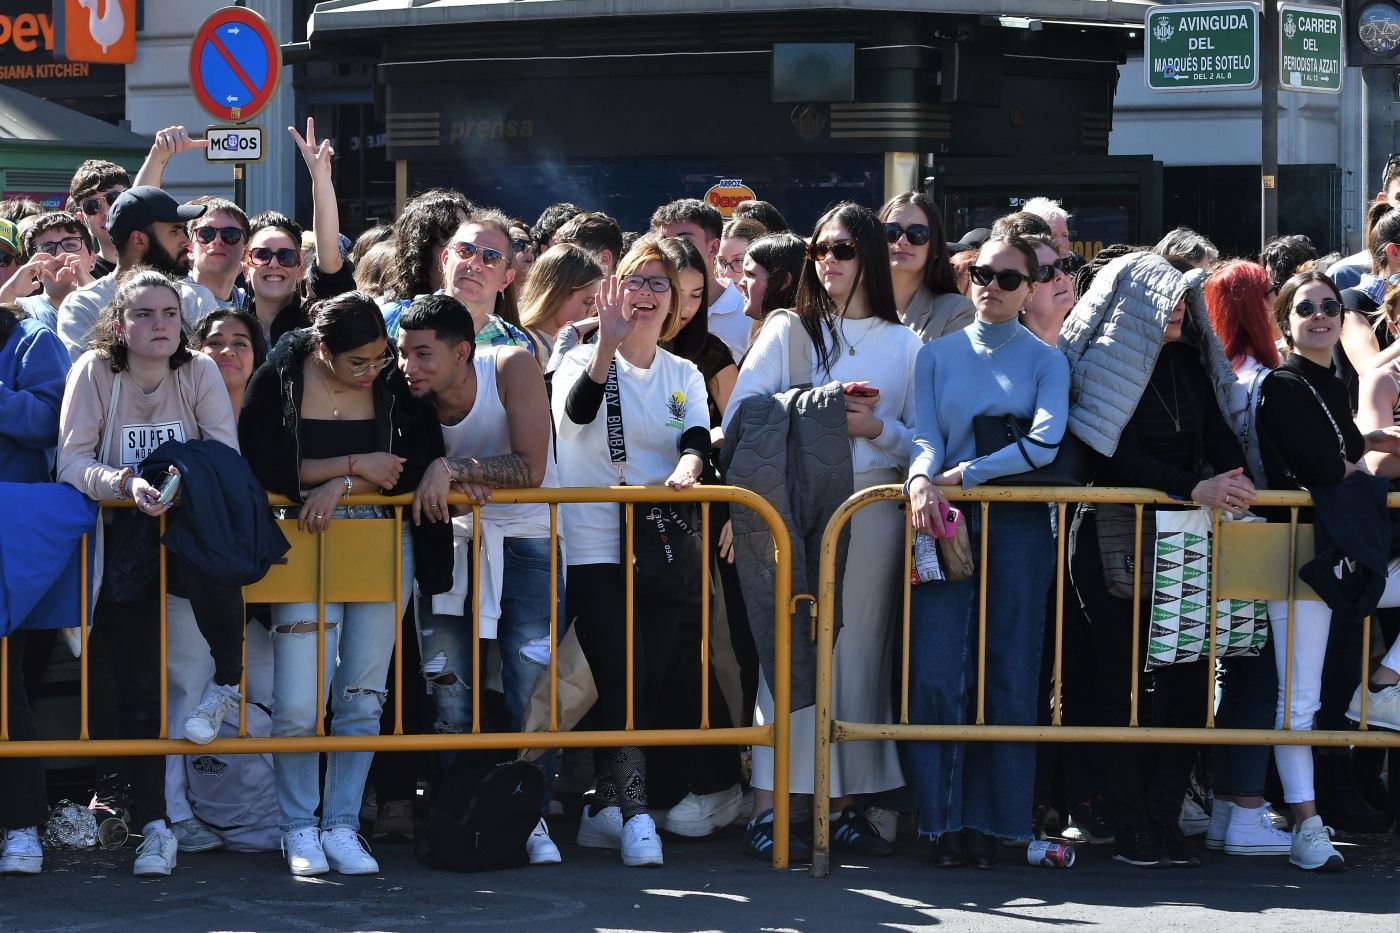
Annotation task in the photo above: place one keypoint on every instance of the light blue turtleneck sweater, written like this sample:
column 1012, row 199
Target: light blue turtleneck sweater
column 986, row 369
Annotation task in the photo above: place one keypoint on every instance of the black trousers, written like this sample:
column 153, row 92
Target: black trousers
column 23, row 796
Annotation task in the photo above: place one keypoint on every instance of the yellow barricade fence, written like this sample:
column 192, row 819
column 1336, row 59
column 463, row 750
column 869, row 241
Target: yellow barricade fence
column 361, row 561
column 1257, row 561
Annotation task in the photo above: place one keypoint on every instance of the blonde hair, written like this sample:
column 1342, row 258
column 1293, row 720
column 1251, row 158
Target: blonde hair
column 560, row 271
column 645, row 250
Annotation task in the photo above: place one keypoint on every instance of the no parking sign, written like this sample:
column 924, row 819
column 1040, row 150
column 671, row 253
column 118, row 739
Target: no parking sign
column 235, row 64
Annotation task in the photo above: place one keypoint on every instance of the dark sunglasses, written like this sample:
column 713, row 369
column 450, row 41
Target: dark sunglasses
column 1008, row 280
column 230, row 235
column 263, row 255
column 69, row 244
column 916, row 234
column 1047, row 272
column 91, row 206
column 522, row 246
column 1330, row 307
column 490, row 258
column 843, row 250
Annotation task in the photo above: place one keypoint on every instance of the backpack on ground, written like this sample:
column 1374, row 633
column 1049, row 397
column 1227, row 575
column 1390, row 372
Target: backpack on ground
column 235, row 795
column 481, row 813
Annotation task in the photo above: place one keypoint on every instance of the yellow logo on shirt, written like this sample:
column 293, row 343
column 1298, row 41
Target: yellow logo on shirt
column 675, row 409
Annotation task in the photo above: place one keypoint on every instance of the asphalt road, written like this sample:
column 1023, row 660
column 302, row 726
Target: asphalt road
column 705, row 885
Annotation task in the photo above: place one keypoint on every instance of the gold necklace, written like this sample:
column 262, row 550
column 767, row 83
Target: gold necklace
column 1174, row 413
column 322, row 378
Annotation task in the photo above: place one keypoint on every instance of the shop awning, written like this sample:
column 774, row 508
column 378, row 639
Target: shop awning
column 26, row 120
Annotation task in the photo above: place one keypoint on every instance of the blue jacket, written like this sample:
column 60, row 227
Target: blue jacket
column 33, row 368
column 44, row 523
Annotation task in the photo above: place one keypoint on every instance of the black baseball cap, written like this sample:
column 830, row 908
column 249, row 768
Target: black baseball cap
column 139, row 207
column 973, row 239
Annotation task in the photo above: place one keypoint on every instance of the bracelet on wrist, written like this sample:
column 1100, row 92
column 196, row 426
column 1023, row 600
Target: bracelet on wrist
column 349, row 486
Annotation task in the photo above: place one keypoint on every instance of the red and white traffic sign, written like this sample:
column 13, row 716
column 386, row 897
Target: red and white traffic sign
column 235, row 64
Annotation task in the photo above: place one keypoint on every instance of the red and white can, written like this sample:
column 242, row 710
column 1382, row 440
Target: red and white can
column 1050, row 854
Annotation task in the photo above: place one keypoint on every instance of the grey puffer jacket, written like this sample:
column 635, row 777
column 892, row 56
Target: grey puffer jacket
column 1114, row 335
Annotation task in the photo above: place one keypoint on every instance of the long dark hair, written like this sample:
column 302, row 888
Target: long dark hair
column 346, row 321
column 939, row 277
column 105, row 340
column 690, row 342
column 247, row 318
column 817, row 309
column 781, row 255
column 426, row 221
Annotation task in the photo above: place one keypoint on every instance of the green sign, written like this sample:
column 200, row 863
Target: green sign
column 1310, row 48
column 1202, row 47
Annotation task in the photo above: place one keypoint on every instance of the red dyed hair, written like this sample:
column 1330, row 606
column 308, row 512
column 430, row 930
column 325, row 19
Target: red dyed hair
column 1237, row 297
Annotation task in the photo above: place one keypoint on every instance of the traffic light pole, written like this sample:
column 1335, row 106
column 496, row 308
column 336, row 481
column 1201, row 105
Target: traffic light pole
column 1268, row 137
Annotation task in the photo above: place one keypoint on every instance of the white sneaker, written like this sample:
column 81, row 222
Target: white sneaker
column 1382, row 707
column 23, row 854
column 541, row 848
column 304, row 854
column 1312, row 848
column 347, row 852
column 202, row 726
column 1252, row 832
column 1219, row 823
column 886, row 822
column 1193, row 820
column 156, row 854
column 193, row 836
column 701, row 814
column 601, row 830
column 640, row 843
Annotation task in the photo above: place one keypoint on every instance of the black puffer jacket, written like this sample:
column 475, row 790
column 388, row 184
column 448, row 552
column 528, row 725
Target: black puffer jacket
column 269, row 432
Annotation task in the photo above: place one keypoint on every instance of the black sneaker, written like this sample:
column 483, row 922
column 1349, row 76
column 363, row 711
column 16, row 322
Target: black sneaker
column 1181, row 851
column 1045, row 822
column 1088, row 823
column 852, row 832
column 1140, row 848
column 758, row 841
column 980, row 849
column 946, row 850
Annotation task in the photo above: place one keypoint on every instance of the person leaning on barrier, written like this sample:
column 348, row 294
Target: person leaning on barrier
column 138, row 387
column 1149, row 387
column 659, row 402
column 327, row 417
column 925, row 288
column 971, row 795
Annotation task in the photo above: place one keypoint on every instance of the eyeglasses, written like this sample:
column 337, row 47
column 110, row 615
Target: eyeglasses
column 263, row 256
column 658, row 284
column 522, row 246
column 69, row 244
column 373, row 366
column 1047, row 272
column 230, row 235
column 91, row 206
column 490, row 258
column 1330, row 307
column 1008, row 280
column 842, row 250
column 916, row 234
column 734, row 266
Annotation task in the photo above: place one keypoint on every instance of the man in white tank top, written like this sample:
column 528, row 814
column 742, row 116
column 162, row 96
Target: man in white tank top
column 494, row 413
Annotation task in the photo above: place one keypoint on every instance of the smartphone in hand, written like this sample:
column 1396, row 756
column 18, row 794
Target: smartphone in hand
column 168, row 489
column 862, row 391
column 951, row 517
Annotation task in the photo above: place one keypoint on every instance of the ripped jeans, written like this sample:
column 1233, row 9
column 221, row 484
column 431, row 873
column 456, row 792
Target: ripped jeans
column 359, row 643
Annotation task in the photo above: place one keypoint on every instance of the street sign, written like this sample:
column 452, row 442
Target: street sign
column 1310, row 48
column 1202, row 47
column 234, row 144
column 235, row 64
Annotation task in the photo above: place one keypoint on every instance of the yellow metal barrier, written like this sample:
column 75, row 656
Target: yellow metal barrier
column 1250, row 561
column 332, row 567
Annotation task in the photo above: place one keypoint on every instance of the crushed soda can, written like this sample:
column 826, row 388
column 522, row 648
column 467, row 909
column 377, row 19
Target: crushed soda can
column 1050, row 854
column 71, row 826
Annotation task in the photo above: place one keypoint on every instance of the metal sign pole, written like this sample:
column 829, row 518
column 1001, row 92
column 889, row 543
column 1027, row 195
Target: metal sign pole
column 240, row 182
column 1268, row 137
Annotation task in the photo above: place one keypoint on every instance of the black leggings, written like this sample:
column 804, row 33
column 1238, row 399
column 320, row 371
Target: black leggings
column 23, row 795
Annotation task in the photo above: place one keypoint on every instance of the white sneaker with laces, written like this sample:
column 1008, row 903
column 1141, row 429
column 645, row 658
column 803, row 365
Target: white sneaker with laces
column 1252, row 832
column 540, row 848
column 600, row 830
column 640, row 843
column 1193, row 819
column 1382, row 707
column 202, row 726
column 1219, row 823
column 156, row 854
column 304, row 854
column 23, row 854
column 347, row 852
column 1312, row 848
column 193, row 836
column 886, row 822
column 700, row 815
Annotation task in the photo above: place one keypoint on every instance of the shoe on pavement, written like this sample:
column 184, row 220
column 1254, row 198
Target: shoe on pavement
column 1312, row 848
column 852, row 832
column 394, row 822
column 1252, row 832
column 759, row 839
column 540, row 848
column 885, row 822
column 347, row 852
column 156, row 854
column 1139, row 848
column 1219, row 824
column 1194, row 820
column 600, row 830
column 1181, row 851
column 1088, row 823
column 23, row 855
column 192, row 835
column 202, row 725
column 1382, row 707
column 640, row 843
column 699, row 815
column 305, row 856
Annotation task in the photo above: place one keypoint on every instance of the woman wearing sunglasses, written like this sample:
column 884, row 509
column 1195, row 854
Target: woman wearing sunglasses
column 1309, row 441
column 1050, row 303
column 844, row 316
column 327, row 417
column 925, row 288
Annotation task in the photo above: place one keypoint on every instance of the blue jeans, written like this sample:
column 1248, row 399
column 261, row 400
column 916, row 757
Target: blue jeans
column 985, row 786
column 1248, row 700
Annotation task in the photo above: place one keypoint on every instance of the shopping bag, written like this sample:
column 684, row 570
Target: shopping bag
column 577, row 693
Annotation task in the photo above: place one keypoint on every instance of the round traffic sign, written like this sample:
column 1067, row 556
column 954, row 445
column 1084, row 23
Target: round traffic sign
column 235, row 64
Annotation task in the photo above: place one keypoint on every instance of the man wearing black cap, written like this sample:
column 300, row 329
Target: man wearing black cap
column 148, row 228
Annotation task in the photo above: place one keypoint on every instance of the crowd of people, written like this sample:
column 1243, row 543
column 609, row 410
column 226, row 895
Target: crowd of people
column 145, row 343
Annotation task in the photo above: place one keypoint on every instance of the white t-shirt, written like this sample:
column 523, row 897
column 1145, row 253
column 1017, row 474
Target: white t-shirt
column 728, row 322
column 659, row 405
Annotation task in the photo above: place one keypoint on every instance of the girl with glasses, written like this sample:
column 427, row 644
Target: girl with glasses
column 734, row 241
column 925, row 288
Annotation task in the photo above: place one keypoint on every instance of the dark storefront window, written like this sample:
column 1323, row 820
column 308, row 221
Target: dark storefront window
column 1097, row 218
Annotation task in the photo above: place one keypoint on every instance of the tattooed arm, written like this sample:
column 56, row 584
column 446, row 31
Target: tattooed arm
column 508, row 471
